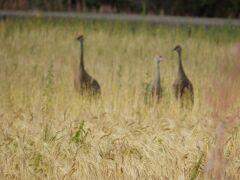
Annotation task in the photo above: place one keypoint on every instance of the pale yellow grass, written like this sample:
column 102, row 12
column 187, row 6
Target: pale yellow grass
column 40, row 111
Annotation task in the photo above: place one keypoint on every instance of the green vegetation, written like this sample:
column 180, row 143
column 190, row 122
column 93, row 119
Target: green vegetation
column 42, row 132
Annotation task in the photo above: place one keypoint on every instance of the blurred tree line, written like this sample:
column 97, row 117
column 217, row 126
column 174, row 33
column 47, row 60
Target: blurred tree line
column 208, row 8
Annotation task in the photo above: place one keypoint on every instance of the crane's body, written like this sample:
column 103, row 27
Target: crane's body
column 83, row 82
column 156, row 83
column 182, row 85
column 154, row 88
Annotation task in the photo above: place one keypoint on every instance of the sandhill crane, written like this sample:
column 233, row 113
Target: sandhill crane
column 182, row 84
column 83, row 82
column 155, row 86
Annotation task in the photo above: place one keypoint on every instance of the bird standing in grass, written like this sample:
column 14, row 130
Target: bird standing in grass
column 83, row 82
column 154, row 89
column 182, row 85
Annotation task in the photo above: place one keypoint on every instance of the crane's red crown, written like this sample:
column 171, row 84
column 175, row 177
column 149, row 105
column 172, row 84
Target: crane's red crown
column 80, row 37
column 158, row 58
column 177, row 48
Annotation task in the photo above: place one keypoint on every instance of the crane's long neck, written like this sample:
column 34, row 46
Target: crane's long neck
column 81, row 56
column 157, row 73
column 180, row 66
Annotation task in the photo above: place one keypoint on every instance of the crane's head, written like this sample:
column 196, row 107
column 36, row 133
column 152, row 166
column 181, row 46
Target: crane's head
column 80, row 38
column 158, row 59
column 177, row 48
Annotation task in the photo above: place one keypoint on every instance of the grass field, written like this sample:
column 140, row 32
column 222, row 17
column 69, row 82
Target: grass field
column 49, row 131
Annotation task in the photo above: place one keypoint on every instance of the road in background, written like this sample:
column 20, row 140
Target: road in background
column 125, row 17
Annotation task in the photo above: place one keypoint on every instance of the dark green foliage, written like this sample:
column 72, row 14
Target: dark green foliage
column 208, row 8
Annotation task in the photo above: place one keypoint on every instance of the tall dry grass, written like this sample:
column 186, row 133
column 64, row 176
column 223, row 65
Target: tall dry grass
column 223, row 97
column 48, row 131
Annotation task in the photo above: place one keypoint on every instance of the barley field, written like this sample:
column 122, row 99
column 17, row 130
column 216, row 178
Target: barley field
column 49, row 131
